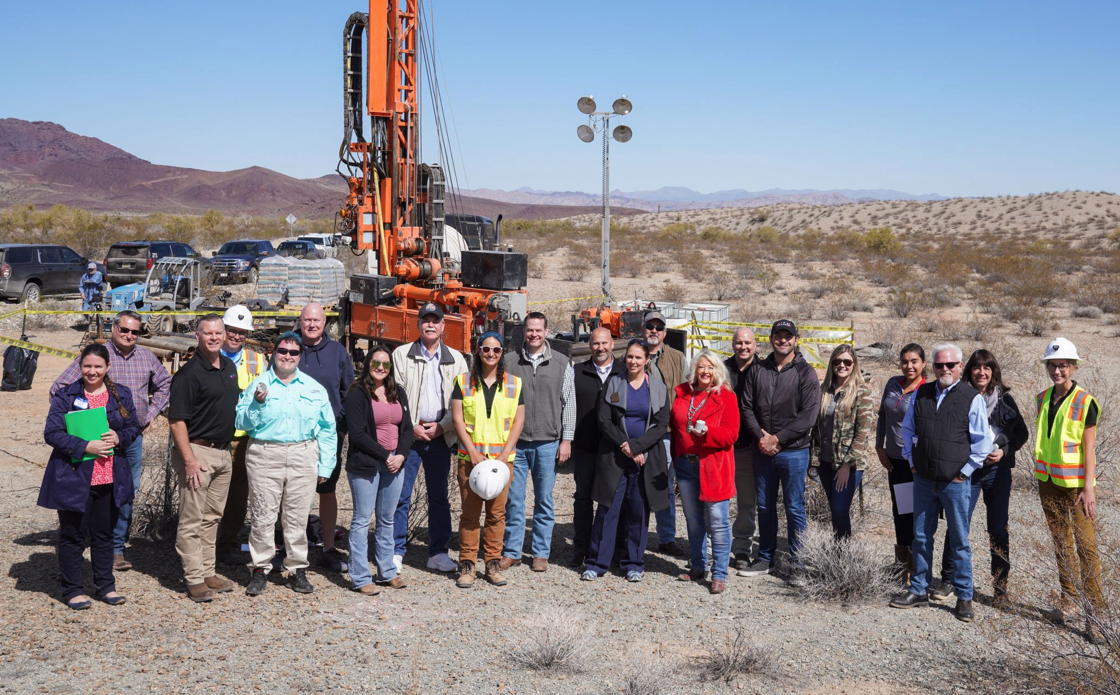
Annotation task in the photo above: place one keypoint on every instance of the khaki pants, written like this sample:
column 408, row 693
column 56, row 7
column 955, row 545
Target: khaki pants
column 281, row 477
column 233, row 518
column 493, row 536
column 744, row 531
column 1072, row 532
column 200, row 510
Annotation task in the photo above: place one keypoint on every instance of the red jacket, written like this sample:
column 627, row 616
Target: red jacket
column 717, row 459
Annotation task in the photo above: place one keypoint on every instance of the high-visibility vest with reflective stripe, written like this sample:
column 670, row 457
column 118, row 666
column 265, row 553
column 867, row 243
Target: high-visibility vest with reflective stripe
column 488, row 434
column 1058, row 453
column 252, row 365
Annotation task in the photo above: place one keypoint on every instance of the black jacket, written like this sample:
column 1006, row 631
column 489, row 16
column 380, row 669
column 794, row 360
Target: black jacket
column 611, row 463
column 784, row 403
column 1013, row 429
column 365, row 454
column 589, row 391
column 329, row 363
column 738, row 381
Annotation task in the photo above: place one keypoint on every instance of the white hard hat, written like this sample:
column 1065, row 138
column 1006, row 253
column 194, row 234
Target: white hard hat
column 489, row 478
column 238, row 316
column 1061, row 349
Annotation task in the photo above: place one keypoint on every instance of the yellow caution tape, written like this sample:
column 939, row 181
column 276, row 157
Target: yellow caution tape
column 10, row 314
column 39, row 348
column 573, row 299
column 844, row 329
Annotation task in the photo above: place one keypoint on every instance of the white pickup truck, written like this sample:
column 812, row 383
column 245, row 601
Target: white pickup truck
column 326, row 243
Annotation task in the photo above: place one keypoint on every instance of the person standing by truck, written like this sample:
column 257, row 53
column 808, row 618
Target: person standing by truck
column 90, row 286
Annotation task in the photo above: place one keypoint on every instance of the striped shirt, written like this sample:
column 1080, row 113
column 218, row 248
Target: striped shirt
column 567, row 396
column 140, row 371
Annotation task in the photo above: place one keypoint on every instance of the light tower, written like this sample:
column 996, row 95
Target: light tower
column 596, row 121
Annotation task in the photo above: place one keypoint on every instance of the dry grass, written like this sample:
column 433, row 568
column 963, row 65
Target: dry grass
column 848, row 571
column 556, row 640
column 733, row 656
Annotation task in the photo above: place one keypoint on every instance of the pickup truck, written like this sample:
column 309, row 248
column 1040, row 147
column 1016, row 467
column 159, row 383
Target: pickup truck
column 326, row 243
column 238, row 261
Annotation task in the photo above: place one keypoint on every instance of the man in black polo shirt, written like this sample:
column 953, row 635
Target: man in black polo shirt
column 202, row 408
column 590, row 378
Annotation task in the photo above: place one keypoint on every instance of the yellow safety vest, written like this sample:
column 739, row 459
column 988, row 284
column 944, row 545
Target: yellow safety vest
column 489, row 435
column 252, row 365
column 1061, row 458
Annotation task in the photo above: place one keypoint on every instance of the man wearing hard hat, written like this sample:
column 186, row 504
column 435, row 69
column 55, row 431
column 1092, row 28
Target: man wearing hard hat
column 250, row 364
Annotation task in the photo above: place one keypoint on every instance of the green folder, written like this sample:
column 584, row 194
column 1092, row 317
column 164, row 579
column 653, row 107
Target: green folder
column 88, row 425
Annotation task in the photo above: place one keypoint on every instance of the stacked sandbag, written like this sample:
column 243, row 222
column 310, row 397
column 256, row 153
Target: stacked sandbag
column 272, row 279
column 319, row 280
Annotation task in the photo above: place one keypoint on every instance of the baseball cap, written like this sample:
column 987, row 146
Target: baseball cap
column 654, row 316
column 431, row 308
column 92, row 266
column 784, row 325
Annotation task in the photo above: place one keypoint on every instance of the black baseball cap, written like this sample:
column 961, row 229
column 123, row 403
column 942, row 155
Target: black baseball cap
column 431, row 308
column 784, row 325
column 654, row 316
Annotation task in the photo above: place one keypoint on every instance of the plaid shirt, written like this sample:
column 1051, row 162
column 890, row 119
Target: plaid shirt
column 567, row 396
column 140, row 371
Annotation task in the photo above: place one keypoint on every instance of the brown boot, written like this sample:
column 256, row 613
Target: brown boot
column 466, row 575
column 120, row 564
column 218, row 585
column 505, row 563
column 199, row 593
column 494, row 573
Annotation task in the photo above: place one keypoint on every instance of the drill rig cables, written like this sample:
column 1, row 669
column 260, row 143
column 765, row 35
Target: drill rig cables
column 429, row 60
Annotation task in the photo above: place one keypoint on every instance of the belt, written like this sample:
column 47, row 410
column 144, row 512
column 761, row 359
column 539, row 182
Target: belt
column 692, row 458
column 210, row 445
column 268, row 443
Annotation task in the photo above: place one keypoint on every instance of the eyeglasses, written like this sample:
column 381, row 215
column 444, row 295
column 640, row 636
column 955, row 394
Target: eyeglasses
column 378, row 364
column 844, row 363
column 1058, row 367
column 235, row 335
column 486, row 350
column 294, row 352
column 128, row 331
column 944, row 365
column 651, row 326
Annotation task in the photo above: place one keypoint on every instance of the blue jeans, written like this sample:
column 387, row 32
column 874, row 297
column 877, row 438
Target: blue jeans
column 667, row 518
column 929, row 498
column 380, row 491
column 435, row 455
column 994, row 483
column 135, row 455
column 703, row 519
column 788, row 469
column 538, row 459
column 840, row 503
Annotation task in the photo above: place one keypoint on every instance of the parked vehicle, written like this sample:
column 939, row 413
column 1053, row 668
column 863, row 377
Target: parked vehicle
column 173, row 284
column 29, row 272
column 299, row 249
column 129, row 261
column 480, row 233
column 324, row 242
column 240, row 260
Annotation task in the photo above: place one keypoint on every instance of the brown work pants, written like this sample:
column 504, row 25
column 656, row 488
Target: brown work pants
column 200, row 510
column 469, row 526
column 1072, row 532
column 237, row 503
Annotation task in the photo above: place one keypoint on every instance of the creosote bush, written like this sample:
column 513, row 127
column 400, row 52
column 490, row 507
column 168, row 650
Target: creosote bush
column 733, row 656
column 848, row 571
column 556, row 640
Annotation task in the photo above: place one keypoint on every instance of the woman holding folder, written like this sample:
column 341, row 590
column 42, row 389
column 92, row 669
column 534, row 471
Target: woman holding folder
column 90, row 425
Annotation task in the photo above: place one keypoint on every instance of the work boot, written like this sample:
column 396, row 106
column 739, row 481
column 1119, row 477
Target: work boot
column 940, row 591
column 909, row 600
column 199, row 593
column 505, row 563
column 298, row 582
column 257, row 583
column 494, row 573
column 964, row 611
column 466, row 575
column 218, row 585
column 120, row 564
column 540, row 564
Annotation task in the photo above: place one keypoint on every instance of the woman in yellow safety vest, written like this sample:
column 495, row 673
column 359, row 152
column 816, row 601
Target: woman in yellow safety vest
column 1065, row 460
column 488, row 409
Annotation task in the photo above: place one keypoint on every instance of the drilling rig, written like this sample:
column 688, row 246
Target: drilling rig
column 394, row 211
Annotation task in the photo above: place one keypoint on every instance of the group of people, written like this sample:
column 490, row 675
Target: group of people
column 263, row 434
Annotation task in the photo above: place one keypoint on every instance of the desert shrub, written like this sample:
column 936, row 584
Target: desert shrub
column 902, row 301
column 631, row 265
column 574, row 271
column 1036, row 322
column 536, row 268
column 648, row 675
column 860, row 300
column 693, row 266
column 1010, row 309
column 836, row 309
column 557, row 640
column 830, row 285
column 715, row 234
column 882, row 240
column 888, row 274
column 1087, row 312
column 727, row 285
column 677, row 230
column 1114, row 236
column 673, row 292
column 847, row 571
column 766, row 235
column 760, row 215
column 802, row 306
column 734, row 656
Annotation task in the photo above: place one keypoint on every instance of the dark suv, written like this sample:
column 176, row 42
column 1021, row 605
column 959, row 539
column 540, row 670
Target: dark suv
column 29, row 272
column 240, row 260
column 129, row 261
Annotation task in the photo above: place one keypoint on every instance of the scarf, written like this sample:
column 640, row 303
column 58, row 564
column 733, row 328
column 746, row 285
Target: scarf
column 991, row 399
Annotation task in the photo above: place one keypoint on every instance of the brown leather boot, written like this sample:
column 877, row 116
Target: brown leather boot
column 466, row 575
column 494, row 573
column 218, row 585
column 199, row 593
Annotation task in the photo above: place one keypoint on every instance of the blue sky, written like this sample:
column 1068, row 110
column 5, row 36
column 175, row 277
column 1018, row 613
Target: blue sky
column 958, row 98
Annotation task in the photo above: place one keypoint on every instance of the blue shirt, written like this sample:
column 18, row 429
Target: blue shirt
column 637, row 409
column 979, row 432
column 298, row 411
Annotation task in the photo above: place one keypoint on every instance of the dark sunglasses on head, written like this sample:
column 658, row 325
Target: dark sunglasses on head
column 128, row 331
column 294, row 352
column 945, row 365
column 846, row 363
column 486, row 349
column 377, row 364
column 654, row 326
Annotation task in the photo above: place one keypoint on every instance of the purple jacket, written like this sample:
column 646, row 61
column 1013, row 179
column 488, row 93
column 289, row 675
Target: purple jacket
column 66, row 484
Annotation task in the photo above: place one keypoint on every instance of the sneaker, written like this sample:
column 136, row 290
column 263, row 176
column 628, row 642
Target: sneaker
column 634, row 576
column 754, row 569
column 298, row 583
column 466, row 575
column 439, row 563
column 333, row 560
column 257, row 583
column 670, row 548
column 940, row 591
column 398, row 560
column 494, row 573
column 120, row 564
column 964, row 611
column 909, row 600
column 588, row 576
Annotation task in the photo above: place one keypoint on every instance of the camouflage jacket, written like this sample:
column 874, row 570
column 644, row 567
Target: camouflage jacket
column 853, row 431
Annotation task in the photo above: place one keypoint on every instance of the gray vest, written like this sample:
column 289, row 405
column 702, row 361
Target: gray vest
column 542, row 387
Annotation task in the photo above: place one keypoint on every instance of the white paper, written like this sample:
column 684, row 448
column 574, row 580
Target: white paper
column 904, row 498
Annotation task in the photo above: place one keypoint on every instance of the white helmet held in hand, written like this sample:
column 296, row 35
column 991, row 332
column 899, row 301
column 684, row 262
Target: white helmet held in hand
column 1061, row 349
column 238, row 316
column 489, row 478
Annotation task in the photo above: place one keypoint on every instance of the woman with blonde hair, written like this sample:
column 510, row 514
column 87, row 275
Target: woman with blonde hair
column 704, row 427
column 843, row 436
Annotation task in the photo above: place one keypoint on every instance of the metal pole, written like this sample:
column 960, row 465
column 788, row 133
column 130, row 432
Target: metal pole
column 606, row 249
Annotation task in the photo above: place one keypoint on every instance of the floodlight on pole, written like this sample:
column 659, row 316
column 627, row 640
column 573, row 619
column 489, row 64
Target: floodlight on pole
column 601, row 120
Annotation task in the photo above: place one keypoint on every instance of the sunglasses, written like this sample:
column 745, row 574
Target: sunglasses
column 294, row 352
column 128, row 331
column 486, row 350
column 378, row 364
column 945, row 365
column 846, row 363
column 654, row 327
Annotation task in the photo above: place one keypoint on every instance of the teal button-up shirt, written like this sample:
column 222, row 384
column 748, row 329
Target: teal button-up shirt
column 293, row 412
